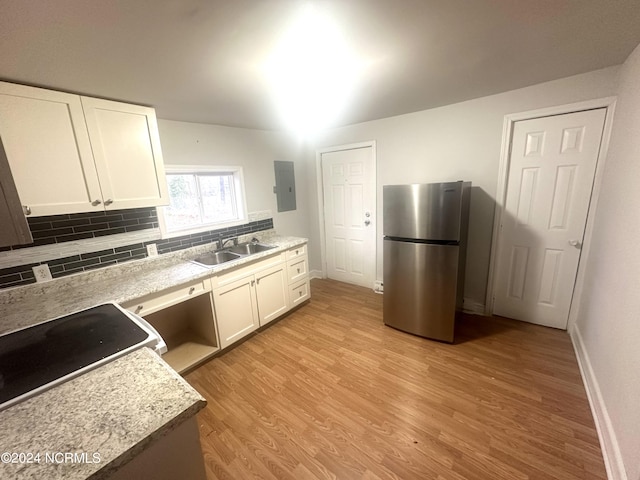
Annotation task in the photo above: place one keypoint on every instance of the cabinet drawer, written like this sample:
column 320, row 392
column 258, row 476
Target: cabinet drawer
column 249, row 269
column 297, row 251
column 299, row 293
column 157, row 301
column 297, row 269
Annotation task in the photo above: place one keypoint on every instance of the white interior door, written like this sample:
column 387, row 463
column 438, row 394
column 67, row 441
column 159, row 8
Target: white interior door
column 551, row 171
column 349, row 214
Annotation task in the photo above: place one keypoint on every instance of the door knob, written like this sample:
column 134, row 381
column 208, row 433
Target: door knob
column 574, row 243
column 367, row 222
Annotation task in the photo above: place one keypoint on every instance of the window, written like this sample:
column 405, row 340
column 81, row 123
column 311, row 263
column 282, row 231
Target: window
column 202, row 198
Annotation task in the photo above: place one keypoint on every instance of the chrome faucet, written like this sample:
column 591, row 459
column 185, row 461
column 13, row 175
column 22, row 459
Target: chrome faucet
column 220, row 243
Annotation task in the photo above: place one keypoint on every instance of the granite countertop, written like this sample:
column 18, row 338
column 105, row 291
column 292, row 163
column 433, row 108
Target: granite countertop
column 22, row 307
column 115, row 412
column 119, row 408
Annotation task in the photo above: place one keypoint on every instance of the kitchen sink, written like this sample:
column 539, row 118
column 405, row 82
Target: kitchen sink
column 229, row 254
column 249, row 248
column 216, row 258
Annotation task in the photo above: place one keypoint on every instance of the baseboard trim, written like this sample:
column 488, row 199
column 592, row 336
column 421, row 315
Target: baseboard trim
column 608, row 441
column 473, row 307
column 315, row 274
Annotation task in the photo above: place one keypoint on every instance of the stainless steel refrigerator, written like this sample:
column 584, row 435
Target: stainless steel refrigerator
column 425, row 238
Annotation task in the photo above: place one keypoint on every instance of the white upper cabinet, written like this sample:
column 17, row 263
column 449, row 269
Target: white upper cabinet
column 126, row 149
column 47, row 145
column 71, row 154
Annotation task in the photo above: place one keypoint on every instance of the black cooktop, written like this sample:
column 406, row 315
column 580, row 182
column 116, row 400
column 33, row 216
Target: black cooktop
column 38, row 355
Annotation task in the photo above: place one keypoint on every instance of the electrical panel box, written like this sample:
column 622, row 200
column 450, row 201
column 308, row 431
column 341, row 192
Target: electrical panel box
column 285, row 188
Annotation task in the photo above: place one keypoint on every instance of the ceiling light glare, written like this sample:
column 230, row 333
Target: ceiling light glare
column 312, row 72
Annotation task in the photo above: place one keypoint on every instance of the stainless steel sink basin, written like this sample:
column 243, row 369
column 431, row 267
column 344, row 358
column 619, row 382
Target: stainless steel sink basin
column 229, row 254
column 216, row 258
column 249, row 248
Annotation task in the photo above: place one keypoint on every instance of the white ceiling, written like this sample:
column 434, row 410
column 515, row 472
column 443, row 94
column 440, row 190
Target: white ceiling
column 203, row 60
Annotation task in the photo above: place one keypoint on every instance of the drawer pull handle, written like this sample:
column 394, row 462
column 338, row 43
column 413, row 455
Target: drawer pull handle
column 26, row 209
column 108, row 202
column 300, row 293
column 298, row 270
column 191, row 290
column 296, row 252
column 139, row 308
column 253, row 282
column 96, row 202
column 258, row 281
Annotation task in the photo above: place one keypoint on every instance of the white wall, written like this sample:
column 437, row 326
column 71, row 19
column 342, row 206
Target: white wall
column 608, row 321
column 255, row 150
column 455, row 142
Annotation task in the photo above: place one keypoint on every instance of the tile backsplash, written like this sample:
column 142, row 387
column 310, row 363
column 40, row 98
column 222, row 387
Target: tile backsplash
column 79, row 226
column 60, row 229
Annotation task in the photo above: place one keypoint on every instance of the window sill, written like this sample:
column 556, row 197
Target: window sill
column 202, row 229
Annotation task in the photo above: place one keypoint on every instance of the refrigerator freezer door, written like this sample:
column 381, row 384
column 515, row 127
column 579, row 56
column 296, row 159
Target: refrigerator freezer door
column 420, row 288
column 423, row 211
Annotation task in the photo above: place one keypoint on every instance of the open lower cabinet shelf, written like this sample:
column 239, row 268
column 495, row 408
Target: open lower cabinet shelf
column 187, row 349
column 188, row 329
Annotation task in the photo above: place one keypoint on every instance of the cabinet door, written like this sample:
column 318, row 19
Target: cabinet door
column 15, row 230
column 126, row 148
column 271, row 292
column 236, row 310
column 48, row 149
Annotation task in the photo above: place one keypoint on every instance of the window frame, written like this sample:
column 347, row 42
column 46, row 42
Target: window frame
column 240, row 198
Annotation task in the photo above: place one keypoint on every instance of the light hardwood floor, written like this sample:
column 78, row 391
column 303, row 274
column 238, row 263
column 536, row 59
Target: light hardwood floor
column 331, row 392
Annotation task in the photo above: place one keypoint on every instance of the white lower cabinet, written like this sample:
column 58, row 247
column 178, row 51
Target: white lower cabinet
column 271, row 293
column 298, row 276
column 263, row 294
column 251, row 302
column 236, row 310
column 198, row 319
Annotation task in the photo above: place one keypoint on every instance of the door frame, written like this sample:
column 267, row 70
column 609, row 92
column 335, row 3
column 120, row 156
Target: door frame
column 609, row 104
column 320, row 189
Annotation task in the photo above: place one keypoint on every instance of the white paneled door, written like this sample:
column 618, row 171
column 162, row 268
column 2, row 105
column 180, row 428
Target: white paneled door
column 551, row 171
column 349, row 212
